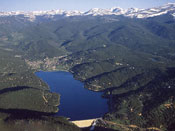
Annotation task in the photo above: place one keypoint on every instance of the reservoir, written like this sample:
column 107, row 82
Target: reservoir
column 77, row 103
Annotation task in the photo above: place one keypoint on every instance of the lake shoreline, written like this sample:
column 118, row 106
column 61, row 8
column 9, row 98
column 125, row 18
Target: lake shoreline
column 70, row 76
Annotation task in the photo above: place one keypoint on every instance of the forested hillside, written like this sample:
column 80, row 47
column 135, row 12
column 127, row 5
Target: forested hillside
column 131, row 60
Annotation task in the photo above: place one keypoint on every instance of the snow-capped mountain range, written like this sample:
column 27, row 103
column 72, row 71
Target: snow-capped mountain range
column 131, row 12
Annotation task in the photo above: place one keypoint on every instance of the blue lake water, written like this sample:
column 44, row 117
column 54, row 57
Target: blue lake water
column 77, row 103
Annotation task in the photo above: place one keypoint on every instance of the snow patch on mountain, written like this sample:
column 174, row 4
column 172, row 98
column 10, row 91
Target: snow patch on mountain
column 131, row 12
column 173, row 15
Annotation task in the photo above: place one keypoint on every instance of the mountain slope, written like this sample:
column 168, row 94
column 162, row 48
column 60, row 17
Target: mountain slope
column 131, row 12
column 131, row 60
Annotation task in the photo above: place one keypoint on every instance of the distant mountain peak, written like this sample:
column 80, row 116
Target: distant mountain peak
column 131, row 12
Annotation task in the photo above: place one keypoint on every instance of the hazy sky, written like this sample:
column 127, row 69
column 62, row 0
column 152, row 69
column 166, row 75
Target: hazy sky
column 83, row 5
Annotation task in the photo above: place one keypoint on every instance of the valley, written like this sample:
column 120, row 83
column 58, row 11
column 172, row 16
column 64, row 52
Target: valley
column 131, row 60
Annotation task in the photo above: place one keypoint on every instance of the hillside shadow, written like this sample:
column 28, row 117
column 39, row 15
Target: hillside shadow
column 13, row 89
column 15, row 114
